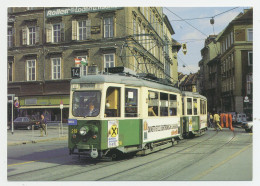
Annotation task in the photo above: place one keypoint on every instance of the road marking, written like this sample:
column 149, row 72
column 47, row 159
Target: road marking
column 22, row 163
column 219, row 164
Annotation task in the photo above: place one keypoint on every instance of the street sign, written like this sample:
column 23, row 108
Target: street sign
column 61, row 104
column 75, row 72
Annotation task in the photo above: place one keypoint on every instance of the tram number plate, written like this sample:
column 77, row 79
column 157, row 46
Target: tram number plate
column 74, row 131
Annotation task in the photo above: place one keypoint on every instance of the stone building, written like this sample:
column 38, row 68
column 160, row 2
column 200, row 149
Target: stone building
column 226, row 67
column 208, row 75
column 236, row 58
column 44, row 42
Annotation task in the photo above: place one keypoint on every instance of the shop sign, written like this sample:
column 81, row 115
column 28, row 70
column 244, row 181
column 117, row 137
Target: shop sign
column 75, row 10
column 246, row 100
column 95, row 29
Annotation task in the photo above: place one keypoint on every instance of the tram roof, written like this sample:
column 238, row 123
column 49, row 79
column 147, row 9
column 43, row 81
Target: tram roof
column 127, row 80
column 193, row 94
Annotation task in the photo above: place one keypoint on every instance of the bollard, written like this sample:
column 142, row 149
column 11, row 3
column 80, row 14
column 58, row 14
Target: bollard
column 221, row 120
column 230, row 122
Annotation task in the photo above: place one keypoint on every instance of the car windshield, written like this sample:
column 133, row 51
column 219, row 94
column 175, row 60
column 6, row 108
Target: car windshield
column 18, row 120
column 86, row 103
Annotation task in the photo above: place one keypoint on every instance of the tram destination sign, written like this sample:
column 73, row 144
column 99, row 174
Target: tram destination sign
column 75, row 72
column 76, row 10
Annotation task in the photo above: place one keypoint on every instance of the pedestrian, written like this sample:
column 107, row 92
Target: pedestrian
column 216, row 120
column 42, row 125
column 211, row 120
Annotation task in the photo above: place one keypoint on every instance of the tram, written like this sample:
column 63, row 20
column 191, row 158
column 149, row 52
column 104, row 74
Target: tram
column 117, row 113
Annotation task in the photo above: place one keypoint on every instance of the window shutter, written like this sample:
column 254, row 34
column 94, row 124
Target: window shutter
column 62, row 32
column 74, row 29
column 24, row 36
column 48, row 33
column 88, row 25
column 37, row 35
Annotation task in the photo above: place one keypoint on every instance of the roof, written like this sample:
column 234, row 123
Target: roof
column 127, row 80
column 168, row 24
column 193, row 94
column 242, row 18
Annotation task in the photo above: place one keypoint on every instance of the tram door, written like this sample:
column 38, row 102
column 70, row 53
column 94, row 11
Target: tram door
column 113, row 102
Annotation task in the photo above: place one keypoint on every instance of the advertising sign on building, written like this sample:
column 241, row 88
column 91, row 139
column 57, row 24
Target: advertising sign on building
column 75, row 10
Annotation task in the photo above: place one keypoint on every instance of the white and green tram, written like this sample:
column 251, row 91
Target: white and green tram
column 112, row 114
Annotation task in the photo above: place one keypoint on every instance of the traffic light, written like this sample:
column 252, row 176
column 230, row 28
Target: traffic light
column 184, row 48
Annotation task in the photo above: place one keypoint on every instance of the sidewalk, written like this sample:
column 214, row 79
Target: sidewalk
column 21, row 136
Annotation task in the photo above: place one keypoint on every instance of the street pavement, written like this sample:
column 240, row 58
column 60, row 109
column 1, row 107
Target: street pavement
column 23, row 136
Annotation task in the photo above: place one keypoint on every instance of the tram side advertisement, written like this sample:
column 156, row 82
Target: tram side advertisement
column 203, row 121
column 160, row 128
column 113, row 134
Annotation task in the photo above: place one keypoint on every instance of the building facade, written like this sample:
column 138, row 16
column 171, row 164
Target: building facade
column 226, row 67
column 208, row 74
column 236, row 58
column 44, row 42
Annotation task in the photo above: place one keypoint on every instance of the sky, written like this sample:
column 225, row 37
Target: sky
column 195, row 37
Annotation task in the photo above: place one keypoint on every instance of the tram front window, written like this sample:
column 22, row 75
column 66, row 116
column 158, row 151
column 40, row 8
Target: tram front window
column 86, row 103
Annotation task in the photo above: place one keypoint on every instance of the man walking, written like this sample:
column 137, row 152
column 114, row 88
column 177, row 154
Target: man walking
column 216, row 121
column 42, row 124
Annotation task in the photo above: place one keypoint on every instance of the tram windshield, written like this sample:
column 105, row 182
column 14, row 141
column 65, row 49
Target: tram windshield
column 86, row 103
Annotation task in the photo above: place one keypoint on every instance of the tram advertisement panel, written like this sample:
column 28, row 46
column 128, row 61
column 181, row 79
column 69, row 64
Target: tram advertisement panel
column 113, row 133
column 159, row 128
column 203, row 121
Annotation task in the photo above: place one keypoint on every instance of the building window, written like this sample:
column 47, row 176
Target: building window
column 31, row 70
column 83, row 68
column 56, row 68
column 249, row 81
column 32, row 35
column 109, row 60
column 250, row 58
column 249, row 34
column 231, row 38
column 56, row 33
column 10, row 37
column 134, row 27
column 108, row 27
column 10, row 71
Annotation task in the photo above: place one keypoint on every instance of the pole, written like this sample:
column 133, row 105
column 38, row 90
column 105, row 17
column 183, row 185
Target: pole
column 61, row 124
column 12, row 114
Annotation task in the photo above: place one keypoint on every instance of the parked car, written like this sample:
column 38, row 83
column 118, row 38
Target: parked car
column 238, row 118
column 23, row 122
column 248, row 126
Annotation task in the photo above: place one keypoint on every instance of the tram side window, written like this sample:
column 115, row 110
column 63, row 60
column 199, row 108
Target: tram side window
column 195, row 107
column 201, row 107
column 131, row 102
column 164, row 104
column 112, row 102
column 153, row 103
column 189, row 106
column 173, row 105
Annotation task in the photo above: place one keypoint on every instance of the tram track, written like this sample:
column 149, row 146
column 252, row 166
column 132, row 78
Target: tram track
column 95, row 165
column 113, row 164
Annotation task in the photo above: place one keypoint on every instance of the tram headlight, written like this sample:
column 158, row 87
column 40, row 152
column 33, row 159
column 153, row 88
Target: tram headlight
column 83, row 131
